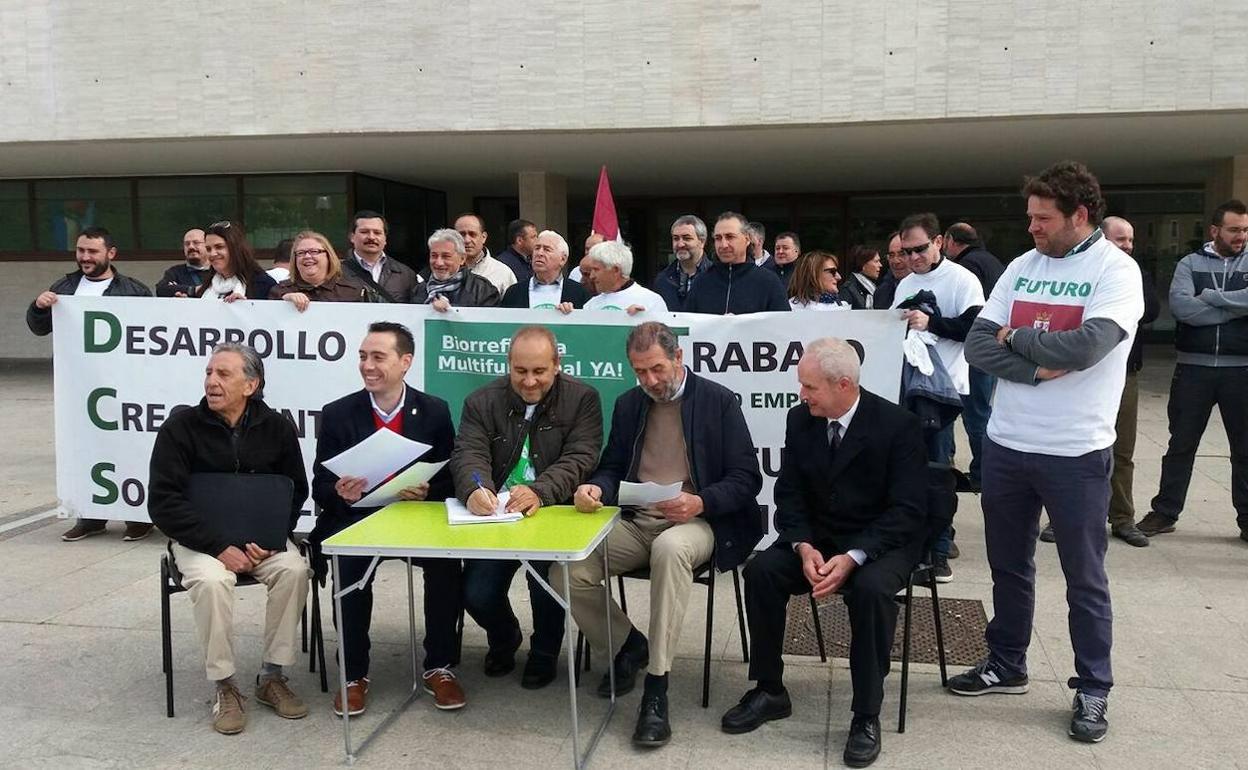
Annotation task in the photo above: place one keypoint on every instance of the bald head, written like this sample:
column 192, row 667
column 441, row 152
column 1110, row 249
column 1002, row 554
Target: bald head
column 1120, row 232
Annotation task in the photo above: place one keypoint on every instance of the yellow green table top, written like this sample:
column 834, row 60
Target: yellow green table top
column 406, row 529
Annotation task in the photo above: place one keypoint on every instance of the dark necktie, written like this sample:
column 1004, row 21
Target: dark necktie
column 834, row 434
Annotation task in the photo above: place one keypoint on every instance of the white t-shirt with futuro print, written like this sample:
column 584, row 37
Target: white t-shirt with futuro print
column 1075, row 413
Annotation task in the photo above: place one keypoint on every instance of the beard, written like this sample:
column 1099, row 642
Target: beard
column 93, row 269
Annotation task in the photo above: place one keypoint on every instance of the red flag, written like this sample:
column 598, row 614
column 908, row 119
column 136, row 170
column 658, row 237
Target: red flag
column 605, row 223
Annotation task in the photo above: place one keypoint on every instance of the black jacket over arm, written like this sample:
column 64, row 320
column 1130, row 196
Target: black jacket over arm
column 871, row 495
column 39, row 320
column 348, row 421
column 722, row 461
column 196, row 440
column 518, row 294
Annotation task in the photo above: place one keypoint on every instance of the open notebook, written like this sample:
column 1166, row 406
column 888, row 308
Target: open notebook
column 458, row 513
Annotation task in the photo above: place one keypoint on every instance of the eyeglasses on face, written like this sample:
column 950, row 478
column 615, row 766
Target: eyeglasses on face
column 831, row 271
column 300, row 254
column 915, row 250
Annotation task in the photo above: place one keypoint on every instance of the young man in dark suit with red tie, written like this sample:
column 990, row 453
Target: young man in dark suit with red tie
column 388, row 403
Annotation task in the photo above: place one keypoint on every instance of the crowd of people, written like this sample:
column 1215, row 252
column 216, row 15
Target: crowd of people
column 1039, row 358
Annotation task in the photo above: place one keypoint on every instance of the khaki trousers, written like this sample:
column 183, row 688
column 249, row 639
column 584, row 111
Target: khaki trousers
column 211, row 588
column 671, row 552
column 1121, row 504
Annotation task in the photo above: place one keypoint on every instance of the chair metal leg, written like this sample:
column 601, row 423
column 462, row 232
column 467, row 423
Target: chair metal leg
column 905, row 657
column 580, row 649
column 736, row 588
column 318, row 635
column 303, row 629
column 166, row 637
column 710, row 624
column 619, row 582
column 814, row 613
column 940, row 632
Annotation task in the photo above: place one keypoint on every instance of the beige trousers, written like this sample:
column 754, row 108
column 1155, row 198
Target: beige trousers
column 211, row 588
column 671, row 552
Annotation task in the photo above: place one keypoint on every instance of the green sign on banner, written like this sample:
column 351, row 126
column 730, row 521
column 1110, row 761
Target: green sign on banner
column 462, row 356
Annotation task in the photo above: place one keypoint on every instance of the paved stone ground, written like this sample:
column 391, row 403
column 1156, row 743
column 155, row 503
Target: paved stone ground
column 79, row 627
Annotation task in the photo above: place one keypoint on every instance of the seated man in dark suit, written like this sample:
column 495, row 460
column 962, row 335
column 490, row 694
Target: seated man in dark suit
column 850, row 512
column 547, row 287
column 387, row 402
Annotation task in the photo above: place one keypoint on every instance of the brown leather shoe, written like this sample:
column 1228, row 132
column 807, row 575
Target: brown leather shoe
column 273, row 692
column 228, row 715
column 357, row 698
column 444, row 687
column 137, row 530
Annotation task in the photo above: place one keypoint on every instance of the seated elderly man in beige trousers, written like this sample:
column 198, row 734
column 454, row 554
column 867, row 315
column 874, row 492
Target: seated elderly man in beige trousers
column 673, row 427
column 232, row 430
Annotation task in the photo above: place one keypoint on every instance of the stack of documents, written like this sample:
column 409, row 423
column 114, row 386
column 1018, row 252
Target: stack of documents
column 378, row 460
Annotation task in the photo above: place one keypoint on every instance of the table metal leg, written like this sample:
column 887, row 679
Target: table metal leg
column 606, row 585
column 411, row 627
column 578, row 761
column 342, row 667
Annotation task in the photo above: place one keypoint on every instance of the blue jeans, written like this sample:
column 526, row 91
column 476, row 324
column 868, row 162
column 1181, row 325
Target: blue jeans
column 486, row 582
column 976, row 409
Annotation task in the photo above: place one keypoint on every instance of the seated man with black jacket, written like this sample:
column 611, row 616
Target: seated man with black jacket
column 673, row 427
column 387, row 402
column 537, row 433
column 851, row 514
column 232, row 430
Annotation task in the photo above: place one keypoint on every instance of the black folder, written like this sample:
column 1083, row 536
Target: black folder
column 248, row 507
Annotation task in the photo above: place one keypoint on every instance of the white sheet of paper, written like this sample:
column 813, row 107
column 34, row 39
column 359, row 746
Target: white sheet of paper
column 376, row 457
column 647, row 493
column 389, row 492
column 458, row 513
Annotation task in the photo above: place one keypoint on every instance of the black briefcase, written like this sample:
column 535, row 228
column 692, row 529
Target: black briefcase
column 248, row 507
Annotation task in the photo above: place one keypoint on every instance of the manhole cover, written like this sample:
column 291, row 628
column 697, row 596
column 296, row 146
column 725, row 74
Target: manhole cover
column 962, row 620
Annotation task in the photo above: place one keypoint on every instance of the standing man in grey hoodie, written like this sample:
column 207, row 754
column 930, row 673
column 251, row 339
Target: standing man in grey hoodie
column 1209, row 300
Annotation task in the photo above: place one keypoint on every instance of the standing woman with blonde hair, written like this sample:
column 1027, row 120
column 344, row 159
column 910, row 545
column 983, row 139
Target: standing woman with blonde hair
column 235, row 274
column 316, row 274
column 815, row 283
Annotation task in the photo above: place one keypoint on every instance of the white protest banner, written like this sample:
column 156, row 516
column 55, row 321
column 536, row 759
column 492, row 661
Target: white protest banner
column 122, row 365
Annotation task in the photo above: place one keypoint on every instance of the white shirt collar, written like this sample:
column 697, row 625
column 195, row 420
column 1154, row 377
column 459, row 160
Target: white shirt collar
column 375, row 269
column 533, row 284
column 848, row 417
column 387, row 416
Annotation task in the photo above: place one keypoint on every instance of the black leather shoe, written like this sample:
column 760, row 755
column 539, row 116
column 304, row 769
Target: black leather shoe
column 863, row 745
column 627, row 664
column 502, row 662
column 1131, row 534
column 754, row 709
column 653, row 728
column 539, row 670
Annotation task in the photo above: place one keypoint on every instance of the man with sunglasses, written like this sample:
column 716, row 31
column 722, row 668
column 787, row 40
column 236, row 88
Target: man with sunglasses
column 959, row 298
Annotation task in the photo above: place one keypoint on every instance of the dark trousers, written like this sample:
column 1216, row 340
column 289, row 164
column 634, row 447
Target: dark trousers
column 1193, row 392
column 776, row 574
column 940, row 450
column 486, row 582
column 1121, row 504
column 1075, row 492
column 442, row 604
column 976, row 409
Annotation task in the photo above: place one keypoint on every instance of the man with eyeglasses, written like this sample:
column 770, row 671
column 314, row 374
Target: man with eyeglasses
column 1209, row 300
column 959, row 298
column 897, row 269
